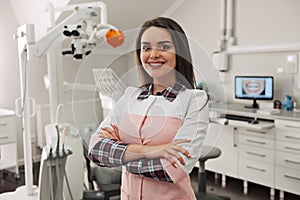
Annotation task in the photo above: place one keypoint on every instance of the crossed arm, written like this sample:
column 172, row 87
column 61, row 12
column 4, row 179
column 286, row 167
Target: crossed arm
column 139, row 159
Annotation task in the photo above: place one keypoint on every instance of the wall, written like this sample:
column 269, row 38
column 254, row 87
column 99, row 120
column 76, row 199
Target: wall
column 257, row 22
column 9, row 64
column 25, row 14
column 9, row 69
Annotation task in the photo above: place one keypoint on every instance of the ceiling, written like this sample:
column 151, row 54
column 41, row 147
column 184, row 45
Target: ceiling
column 129, row 14
column 124, row 14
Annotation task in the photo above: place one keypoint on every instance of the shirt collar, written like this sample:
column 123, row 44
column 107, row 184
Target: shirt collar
column 169, row 93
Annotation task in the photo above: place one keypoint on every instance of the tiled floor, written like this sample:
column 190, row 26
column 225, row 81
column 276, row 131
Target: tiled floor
column 8, row 182
column 233, row 189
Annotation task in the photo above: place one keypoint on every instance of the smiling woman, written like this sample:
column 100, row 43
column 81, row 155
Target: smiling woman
column 155, row 131
column 158, row 57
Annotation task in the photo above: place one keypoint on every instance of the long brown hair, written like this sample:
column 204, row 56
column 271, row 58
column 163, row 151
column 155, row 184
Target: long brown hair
column 184, row 65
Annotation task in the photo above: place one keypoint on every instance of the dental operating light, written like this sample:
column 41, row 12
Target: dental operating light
column 85, row 39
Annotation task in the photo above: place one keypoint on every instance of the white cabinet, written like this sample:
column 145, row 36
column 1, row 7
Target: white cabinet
column 256, row 156
column 267, row 153
column 7, row 130
column 8, row 146
column 287, row 174
column 227, row 163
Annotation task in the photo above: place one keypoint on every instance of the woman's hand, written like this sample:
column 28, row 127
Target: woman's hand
column 112, row 133
column 170, row 152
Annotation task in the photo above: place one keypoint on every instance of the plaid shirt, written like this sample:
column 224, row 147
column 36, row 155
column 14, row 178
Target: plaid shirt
column 109, row 153
column 169, row 93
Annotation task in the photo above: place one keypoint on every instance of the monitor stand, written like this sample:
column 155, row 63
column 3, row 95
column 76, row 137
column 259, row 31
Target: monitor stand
column 254, row 105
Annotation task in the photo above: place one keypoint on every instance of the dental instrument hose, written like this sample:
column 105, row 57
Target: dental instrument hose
column 58, row 139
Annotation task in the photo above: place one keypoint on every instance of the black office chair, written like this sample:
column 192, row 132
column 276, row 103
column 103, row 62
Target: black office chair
column 107, row 180
column 207, row 152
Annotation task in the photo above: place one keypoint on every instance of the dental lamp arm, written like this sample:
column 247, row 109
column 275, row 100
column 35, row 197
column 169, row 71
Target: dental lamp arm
column 100, row 5
column 55, row 35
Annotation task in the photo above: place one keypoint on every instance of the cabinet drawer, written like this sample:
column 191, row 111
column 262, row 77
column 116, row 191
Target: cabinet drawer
column 8, row 156
column 257, row 153
column 256, row 141
column 287, row 180
column 289, row 160
column 7, row 130
column 256, row 172
column 288, row 135
column 288, row 147
column 287, row 124
column 269, row 133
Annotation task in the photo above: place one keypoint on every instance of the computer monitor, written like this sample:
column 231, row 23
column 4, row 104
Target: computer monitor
column 255, row 88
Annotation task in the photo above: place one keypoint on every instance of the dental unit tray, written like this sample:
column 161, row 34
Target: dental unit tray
column 108, row 82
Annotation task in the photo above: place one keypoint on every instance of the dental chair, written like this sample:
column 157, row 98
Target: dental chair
column 208, row 151
column 103, row 183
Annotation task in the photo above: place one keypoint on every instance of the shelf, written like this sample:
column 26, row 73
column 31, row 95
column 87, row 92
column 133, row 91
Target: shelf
column 264, row 48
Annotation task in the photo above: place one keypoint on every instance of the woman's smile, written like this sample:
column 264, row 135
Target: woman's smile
column 155, row 65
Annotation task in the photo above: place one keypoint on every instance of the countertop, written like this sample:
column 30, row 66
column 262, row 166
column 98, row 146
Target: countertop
column 238, row 109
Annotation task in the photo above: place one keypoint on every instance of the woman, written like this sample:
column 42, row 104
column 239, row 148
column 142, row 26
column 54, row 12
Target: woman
column 156, row 131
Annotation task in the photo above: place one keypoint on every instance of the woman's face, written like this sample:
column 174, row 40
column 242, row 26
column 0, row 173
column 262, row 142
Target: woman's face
column 158, row 54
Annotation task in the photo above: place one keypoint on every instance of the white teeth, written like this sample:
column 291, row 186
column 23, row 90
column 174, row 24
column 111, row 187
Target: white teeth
column 155, row 64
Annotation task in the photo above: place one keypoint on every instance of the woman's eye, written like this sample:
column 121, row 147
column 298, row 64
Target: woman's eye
column 145, row 48
column 164, row 47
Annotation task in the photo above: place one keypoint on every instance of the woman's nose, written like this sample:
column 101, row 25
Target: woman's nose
column 154, row 53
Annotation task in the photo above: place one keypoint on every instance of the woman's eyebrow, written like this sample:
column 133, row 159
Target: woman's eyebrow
column 160, row 42
column 164, row 41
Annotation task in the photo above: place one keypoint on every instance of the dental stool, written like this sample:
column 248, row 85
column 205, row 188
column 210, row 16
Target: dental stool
column 208, row 152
